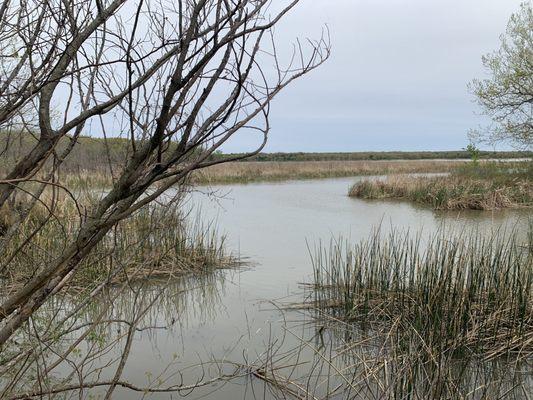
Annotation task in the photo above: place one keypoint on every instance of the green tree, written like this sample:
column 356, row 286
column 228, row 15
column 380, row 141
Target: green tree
column 473, row 152
column 506, row 97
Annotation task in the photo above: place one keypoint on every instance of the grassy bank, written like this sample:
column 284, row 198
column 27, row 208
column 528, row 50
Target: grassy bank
column 248, row 172
column 155, row 242
column 94, row 153
column 428, row 317
column 245, row 172
column 481, row 186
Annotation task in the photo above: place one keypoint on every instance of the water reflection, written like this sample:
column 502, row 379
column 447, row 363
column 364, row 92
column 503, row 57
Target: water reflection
column 360, row 360
column 75, row 344
column 197, row 328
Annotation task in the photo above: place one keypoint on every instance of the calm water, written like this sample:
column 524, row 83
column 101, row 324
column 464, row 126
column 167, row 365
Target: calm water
column 231, row 317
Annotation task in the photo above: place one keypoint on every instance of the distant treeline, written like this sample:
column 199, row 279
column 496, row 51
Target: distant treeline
column 88, row 154
column 96, row 153
column 382, row 155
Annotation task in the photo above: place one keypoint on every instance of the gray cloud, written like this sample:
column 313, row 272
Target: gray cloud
column 396, row 79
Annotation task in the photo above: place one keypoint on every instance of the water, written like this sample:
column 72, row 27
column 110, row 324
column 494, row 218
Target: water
column 231, row 317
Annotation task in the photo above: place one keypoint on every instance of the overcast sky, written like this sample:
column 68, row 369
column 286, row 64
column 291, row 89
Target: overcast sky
column 397, row 77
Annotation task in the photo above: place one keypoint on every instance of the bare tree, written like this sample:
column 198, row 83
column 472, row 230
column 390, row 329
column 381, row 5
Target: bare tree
column 178, row 78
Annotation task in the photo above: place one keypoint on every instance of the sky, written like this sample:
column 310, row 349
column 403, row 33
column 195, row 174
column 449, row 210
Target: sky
column 396, row 79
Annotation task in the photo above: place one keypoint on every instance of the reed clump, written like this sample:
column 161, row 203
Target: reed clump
column 480, row 187
column 444, row 295
column 88, row 179
column 155, row 242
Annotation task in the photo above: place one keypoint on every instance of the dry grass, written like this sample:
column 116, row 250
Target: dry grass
column 475, row 190
column 257, row 171
column 243, row 172
column 154, row 242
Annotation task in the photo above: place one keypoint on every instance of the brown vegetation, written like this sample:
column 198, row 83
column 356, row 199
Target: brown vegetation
column 177, row 85
column 292, row 170
column 255, row 171
column 479, row 188
column 164, row 245
column 423, row 316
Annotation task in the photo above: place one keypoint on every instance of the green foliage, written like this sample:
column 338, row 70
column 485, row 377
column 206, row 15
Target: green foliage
column 507, row 96
column 473, row 151
column 383, row 155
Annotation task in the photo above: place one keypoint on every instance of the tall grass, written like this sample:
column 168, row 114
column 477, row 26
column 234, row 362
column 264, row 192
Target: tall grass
column 479, row 187
column 425, row 317
column 469, row 293
column 244, row 172
column 247, row 172
column 157, row 241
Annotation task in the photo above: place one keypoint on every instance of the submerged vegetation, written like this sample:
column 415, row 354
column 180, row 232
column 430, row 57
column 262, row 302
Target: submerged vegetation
column 422, row 317
column 159, row 257
column 478, row 186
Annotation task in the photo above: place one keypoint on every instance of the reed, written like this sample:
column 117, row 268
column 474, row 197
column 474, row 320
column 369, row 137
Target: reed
column 342, row 362
column 464, row 294
column 488, row 187
column 87, row 179
column 412, row 316
column 157, row 241
column 246, row 172
column 100, row 177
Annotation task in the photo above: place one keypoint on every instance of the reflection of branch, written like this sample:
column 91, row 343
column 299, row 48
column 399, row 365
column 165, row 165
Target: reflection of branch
column 67, row 330
column 284, row 385
column 124, row 384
